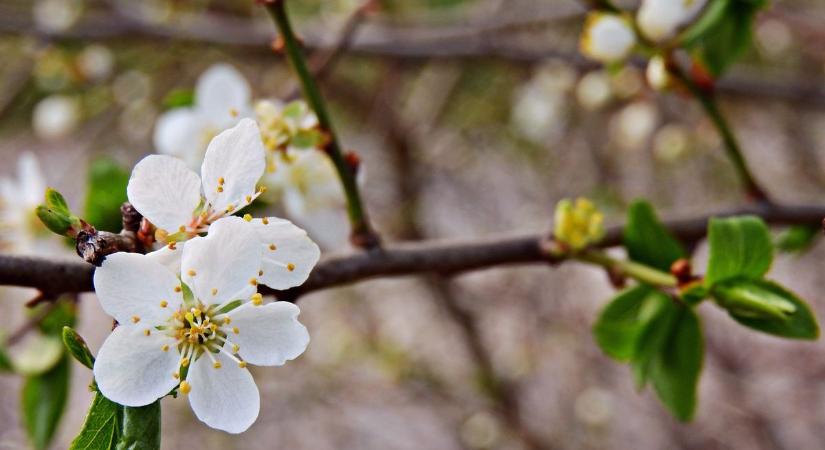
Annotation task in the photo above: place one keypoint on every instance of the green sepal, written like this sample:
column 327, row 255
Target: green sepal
column 77, row 347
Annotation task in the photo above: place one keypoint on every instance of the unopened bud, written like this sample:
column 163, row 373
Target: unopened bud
column 607, row 37
column 578, row 224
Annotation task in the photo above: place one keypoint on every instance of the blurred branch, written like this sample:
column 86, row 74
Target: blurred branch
column 440, row 257
column 362, row 233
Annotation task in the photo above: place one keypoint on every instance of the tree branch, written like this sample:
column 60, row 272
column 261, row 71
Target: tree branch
column 440, row 257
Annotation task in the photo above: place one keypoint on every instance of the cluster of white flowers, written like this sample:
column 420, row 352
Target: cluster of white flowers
column 190, row 315
column 297, row 174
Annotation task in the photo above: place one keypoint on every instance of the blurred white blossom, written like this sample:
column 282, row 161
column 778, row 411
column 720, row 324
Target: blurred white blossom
column 55, row 117
column 222, row 98
column 56, row 15
column 607, row 37
column 657, row 75
column 634, row 124
column 659, row 20
column 540, row 106
column 594, row 90
column 96, row 62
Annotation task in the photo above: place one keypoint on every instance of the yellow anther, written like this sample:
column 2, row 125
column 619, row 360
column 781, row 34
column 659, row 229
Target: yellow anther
column 147, row 332
column 242, row 364
column 265, row 220
column 233, row 112
column 197, row 311
column 221, row 181
column 247, row 217
column 182, row 229
column 190, row 317
column 290, row 267
column 249, row 199
column 184, row 362
column 213, row 327
column 235, row 348
column 164, row 303
column 260, row 273
column 230, row 208
column 184, row 387
column 135, row 319
column 172, row 245
column 165, row 347
column 161, row 235
column 220, row 188
column 178, row 289
column 257, row 299
column 216, row 364
column 261, row 189
column 227, row 320
column 191, row 273
column 273, row 247
column 236, row 330
column 175, row 375
column 253, row 282
column 214, row 291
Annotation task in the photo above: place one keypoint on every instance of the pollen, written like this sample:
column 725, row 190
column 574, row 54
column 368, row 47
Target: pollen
column 273, row 247
column 253, row 282
column 220, row 188
column 135, row 319
column 257, row 299
column 165, row 347
column 236, row 330
column 290, row 267
column 265, row 220
column 221, row 181
column 214, row 291
column 242, row 364
column 192, row 273
column 185, row 387
column 164, row 303
column 216, row 364
column 147, row 332
column 177, row 289
column 247, row 217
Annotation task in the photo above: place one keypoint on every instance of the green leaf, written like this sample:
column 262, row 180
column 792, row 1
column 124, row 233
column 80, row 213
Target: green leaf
column 56, row 202
column 768, row 307
column 179, row 98
column 623, row 321
column 141, row 428
column 726, row 34
column 77, row 347
column 5, row 361
column 675, row 369
column 647, row 240
column 740, row 247
column 797, row 238
column 106, row 192
column 43, row 400
column 63, row 315
column 306, row 139
column 101, row 430
column 55, row 213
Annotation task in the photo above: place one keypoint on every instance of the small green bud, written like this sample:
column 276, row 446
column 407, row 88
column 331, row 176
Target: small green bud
column 77, row 347
column 56, row 202
column 751, row 301
column 56, row 221
column 578, row 224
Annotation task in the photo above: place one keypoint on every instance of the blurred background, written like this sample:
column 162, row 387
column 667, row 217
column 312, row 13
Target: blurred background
column 472, row 118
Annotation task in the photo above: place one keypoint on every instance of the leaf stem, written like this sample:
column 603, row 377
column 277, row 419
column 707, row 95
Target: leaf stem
column 362, row 233
column 709, row 104
column 639, row 272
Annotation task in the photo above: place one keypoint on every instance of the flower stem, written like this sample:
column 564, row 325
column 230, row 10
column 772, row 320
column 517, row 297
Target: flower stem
column 362, row 233
column 708, row 101
column 639, row 272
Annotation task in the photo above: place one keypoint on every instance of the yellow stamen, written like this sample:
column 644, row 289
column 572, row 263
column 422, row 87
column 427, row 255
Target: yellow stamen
column 192, row 273
column 182, row 228
column 247, row 217
column 147, row 332
column 290, row 267
column 177, row 289
column 185, row 387
column 257, row 299
column 273, row 247
column 184, row 362
column 165, row 347
column 216, row 364
column 236, row 330
column 135, row 319
column 220, row 188
column 266, row 220
column 164, row 303
column 242, row 364
column 253, row 282
column 172, row 245
column 221, row 181
column 249, row 199
column 227, row 320
column 235, row 348
column 214, row 291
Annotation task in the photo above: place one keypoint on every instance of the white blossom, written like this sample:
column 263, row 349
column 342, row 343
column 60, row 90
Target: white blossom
column 222, row 98
column 200, row 343
column 607, row 37
column 657, row 75
column 182, row 204
column 660, row 20
column 55, row 117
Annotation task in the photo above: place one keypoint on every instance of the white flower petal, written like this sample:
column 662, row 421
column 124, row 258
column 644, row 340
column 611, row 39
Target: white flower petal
column 225, row 398
column 234, row 162
column 132, row 288
column 132, row 369
column 288, row 253
column 269, row 334
column 179, row 133
column 165, row 191
column 220, row 91
column 224, row 265
column 168, row 257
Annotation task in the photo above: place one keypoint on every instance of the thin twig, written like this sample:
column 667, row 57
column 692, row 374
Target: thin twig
column 362, row 233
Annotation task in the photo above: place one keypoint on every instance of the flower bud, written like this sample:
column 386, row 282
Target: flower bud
column 578, row 224
column 751, row 301
column 657, row 75
column 660, row 20
column 607, row 37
